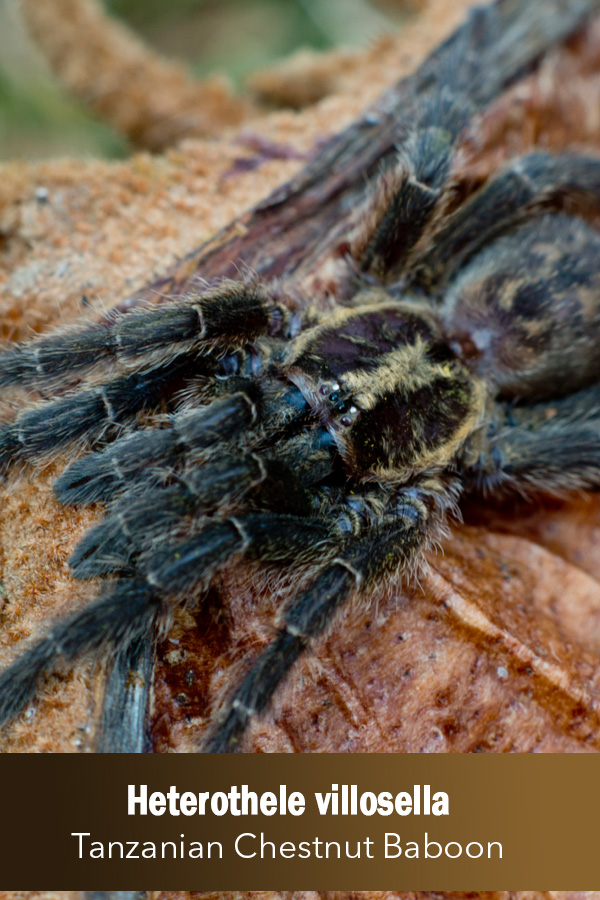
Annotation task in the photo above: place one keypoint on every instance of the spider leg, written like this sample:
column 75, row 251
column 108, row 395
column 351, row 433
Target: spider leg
column 102, row 475
column 144, row 458
column 130, row 608
column 360, row 560
column 221, row 319
column 409, row 190
column 550, row 446
column 125, row 703
column 525, row 184
column 117, row 619
column 135, row 524
column 86, row 415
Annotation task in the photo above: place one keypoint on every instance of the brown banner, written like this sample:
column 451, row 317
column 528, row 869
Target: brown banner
column 407, row 822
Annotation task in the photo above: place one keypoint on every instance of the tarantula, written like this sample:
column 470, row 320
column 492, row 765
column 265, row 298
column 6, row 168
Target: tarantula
column 460, row 362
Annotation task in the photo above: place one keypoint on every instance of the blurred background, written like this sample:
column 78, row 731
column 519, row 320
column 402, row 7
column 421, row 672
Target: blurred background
column 38, row 119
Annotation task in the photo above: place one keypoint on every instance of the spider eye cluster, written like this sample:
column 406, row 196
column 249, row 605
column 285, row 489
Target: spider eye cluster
column 341, row 405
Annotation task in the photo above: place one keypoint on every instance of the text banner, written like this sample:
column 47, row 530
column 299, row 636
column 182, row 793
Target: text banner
column 319, row 822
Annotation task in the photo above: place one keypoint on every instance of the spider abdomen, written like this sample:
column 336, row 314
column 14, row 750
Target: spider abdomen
column 528, row 306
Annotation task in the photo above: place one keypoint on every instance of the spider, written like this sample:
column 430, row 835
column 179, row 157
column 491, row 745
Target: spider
column 464, row 357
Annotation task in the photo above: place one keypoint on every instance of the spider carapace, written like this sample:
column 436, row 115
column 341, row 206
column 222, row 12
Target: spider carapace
column 466, row 357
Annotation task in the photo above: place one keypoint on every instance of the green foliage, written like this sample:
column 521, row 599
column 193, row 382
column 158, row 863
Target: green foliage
column 36, row 119
column 232, row 36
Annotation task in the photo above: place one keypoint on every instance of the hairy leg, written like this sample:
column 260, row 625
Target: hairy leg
column 396, row 542
column 138, row 523
column 86, row 416
column 409, row 190
column 128, row 462
column 116, row 620
column 146, row 457
column 525, row 184
column 130, row 608
column 216, row 320
column 550, row 446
